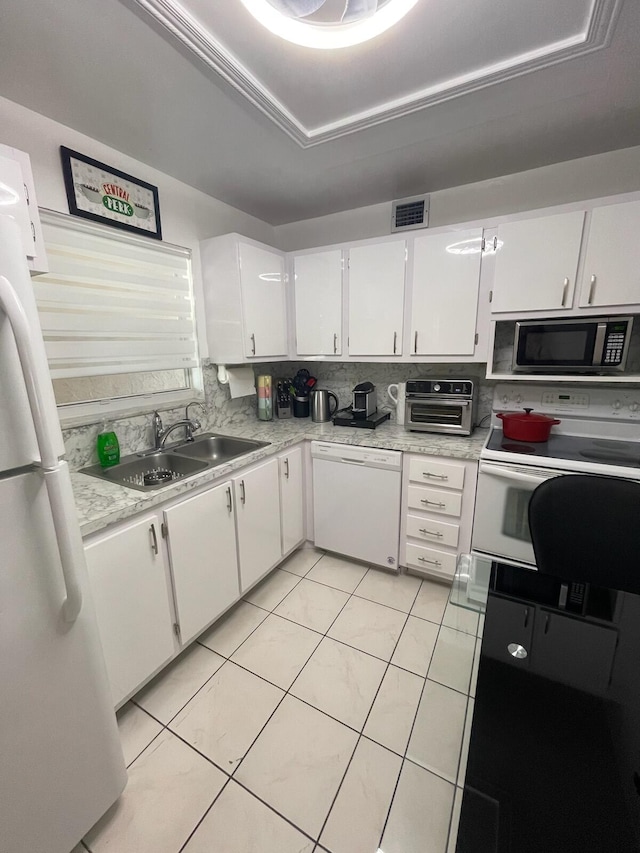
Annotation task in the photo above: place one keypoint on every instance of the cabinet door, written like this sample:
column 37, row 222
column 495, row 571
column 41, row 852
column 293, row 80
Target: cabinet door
column 376, row 298
column 263, row 302
column 318, row 293
column 508, row 628
column 536, row 263
column 128, row 579
column 291, row 499
column 612, row 263
column 204, row 560
column 445, row 283
column 257, row 501
column 573, row 652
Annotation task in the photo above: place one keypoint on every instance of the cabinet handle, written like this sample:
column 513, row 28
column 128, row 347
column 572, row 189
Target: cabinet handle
column 592, row 290
column 253, row 344
column 395, row 342
column 229, row 501
column 286, row 468
column 335, row 343
column 495, row 243
column 242, row 494
column 432, row 503
column 415, row 342
column 154, row 539
column 433, row 562
column 546, row 623
column 435, row 476
column 526, row 617
column 431, row 532
column 565, row 290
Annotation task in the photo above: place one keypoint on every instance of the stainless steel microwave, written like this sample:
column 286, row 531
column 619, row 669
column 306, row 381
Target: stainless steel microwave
column 586, row 345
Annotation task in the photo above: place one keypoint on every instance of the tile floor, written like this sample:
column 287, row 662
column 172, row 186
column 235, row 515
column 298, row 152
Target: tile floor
column 328, row 711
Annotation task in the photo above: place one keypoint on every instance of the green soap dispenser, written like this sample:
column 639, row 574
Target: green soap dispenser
column 107, row 447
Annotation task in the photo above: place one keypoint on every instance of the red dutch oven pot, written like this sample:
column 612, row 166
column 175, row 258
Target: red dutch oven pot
column 526, row 427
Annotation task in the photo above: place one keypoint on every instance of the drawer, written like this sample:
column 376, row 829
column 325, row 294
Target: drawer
column 435, row 500
column 432, row 471
column 431, row 561
column 430, row 530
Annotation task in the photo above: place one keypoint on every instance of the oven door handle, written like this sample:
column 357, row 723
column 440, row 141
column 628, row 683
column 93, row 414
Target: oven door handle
column 462, row 404
column 517, row 476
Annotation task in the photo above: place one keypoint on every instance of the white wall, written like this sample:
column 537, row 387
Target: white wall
column 589, row 177
column 187, row 215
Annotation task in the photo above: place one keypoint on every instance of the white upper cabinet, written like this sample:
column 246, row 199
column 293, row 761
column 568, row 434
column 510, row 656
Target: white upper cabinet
column 318, row 295
column 536, row 263
column 245, row 300
column 612, row 262
column 263, row 302
column 376, row 298
column 444, row 289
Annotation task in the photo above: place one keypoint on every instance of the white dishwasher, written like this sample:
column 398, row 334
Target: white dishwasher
column 356, row 501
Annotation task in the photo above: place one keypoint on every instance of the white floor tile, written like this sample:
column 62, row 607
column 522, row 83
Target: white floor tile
column 397, row 591
column 313, row 605
column 452, row 659
column 431, row 601
column 175, row 685
column 224, row 719
column 137, row 729
column 416, row 645
column 420, row 813
column 170, row 788
column 240, row 823
column 461, row 619
column 455, row 821
column 340, row 681
column 466, row 739
column 394, row 709
column 270, row 592
column 436, row 739
column 369, row 627
column 301, row 561
column 338, row 572
column 233, row 629
column 277, row 650
column 360, row 810
column 297, row 763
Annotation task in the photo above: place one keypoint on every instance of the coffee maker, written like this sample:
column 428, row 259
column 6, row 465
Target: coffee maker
column 363, row 403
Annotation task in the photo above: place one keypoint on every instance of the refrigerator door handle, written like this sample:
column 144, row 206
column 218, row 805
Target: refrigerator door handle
column 12, row 307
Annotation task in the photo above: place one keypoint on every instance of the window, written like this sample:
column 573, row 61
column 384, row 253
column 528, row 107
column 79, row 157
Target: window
column 117, row 318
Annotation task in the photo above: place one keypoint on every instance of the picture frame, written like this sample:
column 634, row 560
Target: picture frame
column 104, row 194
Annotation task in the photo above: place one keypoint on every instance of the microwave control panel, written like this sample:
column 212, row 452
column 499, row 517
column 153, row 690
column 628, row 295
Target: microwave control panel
column 614, row 343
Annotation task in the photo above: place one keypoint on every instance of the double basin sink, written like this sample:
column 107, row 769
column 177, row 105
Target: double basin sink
column 158, row 468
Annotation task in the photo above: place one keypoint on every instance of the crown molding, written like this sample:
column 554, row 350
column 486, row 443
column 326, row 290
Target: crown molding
column 217, row 57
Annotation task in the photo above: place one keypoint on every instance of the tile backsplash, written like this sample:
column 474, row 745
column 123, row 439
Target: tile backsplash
column 136, row 434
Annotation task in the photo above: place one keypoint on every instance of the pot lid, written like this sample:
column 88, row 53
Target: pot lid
column 527, row 417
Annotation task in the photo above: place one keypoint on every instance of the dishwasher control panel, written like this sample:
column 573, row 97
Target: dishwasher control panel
column 365, row 456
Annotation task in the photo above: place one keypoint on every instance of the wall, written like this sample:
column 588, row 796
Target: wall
column 574, row 180
column 187, row 215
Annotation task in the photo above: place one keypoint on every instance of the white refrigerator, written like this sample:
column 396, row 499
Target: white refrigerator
column 61, row 764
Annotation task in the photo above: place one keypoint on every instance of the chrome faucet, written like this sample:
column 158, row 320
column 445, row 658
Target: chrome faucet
column 160, row 435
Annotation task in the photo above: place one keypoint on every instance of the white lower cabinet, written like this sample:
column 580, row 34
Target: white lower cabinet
column 436, row 522
column 131, row 592
column 201, row 538
column 291, row 499
column 256, row 494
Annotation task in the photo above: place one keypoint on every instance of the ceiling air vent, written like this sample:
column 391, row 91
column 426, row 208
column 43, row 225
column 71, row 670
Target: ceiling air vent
column 407, row 213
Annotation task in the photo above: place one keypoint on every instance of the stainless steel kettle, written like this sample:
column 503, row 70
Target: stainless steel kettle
column 321, row 410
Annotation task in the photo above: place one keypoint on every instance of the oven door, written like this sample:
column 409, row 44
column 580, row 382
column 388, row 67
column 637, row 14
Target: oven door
column 501, row 520
column 439, row 415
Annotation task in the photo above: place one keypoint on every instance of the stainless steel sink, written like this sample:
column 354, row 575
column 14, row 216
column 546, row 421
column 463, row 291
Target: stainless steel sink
column 217, row 448
column 156, row 469
column 148, row 472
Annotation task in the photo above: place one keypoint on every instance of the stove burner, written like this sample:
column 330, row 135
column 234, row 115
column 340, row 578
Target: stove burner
column 611, row 456
column 512, row 447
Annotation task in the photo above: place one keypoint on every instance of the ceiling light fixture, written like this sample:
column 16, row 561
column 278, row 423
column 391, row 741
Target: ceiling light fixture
column 328, row 24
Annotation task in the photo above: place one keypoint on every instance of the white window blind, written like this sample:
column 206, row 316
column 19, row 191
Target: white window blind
column 113, row 302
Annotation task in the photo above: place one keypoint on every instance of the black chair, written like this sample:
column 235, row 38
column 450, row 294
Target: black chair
column 586, row 528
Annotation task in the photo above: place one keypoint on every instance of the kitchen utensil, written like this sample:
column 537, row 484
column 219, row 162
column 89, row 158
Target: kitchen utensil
column 527, row 426
column 321, row 410
column 283, row 398
column 301, row 406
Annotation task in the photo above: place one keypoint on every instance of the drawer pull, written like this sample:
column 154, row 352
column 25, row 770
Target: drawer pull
column 435, row 476
column 431, row 532
column 433, row 562
column 432, row 503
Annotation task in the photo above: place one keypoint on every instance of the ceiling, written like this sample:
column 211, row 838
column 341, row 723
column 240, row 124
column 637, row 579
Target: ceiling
column 458, row 91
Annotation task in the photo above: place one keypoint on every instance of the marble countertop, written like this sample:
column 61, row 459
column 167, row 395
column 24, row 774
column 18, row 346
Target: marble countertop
column 100, row 503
